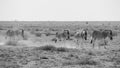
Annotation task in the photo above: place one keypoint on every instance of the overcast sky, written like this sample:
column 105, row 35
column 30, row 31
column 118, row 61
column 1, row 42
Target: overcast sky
column 60, row 10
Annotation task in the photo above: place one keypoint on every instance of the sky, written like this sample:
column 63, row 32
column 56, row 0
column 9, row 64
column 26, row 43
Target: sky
column 60, row 10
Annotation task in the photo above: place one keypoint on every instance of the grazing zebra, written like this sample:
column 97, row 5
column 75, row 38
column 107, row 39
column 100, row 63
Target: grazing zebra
column 103, row 34
column 81, row 34
column 65, row 35
column 10, row 33
column 13, row 33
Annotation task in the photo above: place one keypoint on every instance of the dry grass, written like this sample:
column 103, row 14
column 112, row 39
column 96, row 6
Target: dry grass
column 62, row 49
column 47, row 48
column 38, row 34
column 12, row 43
column 84, row 62
column 58, row 56
column 53, row 48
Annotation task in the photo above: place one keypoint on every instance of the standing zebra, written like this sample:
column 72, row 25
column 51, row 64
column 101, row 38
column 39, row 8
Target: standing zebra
column 98, row 35
column 65, row 35
column 80, row 35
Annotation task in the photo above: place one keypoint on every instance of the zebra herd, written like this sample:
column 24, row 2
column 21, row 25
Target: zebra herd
column 67, row 35
column 83, row 34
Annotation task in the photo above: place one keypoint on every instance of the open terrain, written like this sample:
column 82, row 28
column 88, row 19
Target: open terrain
column 38, row 51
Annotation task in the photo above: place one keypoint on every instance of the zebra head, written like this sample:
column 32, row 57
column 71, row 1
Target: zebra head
column 108, row 33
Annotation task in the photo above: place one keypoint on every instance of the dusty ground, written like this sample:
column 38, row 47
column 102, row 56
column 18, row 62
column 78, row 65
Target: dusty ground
column 41, row 52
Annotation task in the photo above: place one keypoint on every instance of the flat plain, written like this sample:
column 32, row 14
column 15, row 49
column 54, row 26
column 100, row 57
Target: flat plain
column 37, row 50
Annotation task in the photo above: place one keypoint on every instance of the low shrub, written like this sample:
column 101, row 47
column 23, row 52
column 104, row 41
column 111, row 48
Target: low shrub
column 47, row 48
column 38, row 34
column 62, row 49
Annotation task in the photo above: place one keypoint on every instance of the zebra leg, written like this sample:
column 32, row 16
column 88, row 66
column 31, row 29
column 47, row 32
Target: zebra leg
column 105, row 47
column 78, row 42
column 105, row 44
column 23, row 36
column 85, row 37
column 68, row 38
column 60, row 39
column 93, row 45
column 6, row 37
column 93, row 41
column 56, row 41
column 10, row 38
column 99, row 46
column 82, row 43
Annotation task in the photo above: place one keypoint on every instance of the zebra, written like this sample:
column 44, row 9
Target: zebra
column 12, row 33
column 81, row 34
column 98, row 35
column 65, row 35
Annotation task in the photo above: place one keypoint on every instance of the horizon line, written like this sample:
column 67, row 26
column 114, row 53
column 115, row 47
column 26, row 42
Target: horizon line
column 59, row 21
